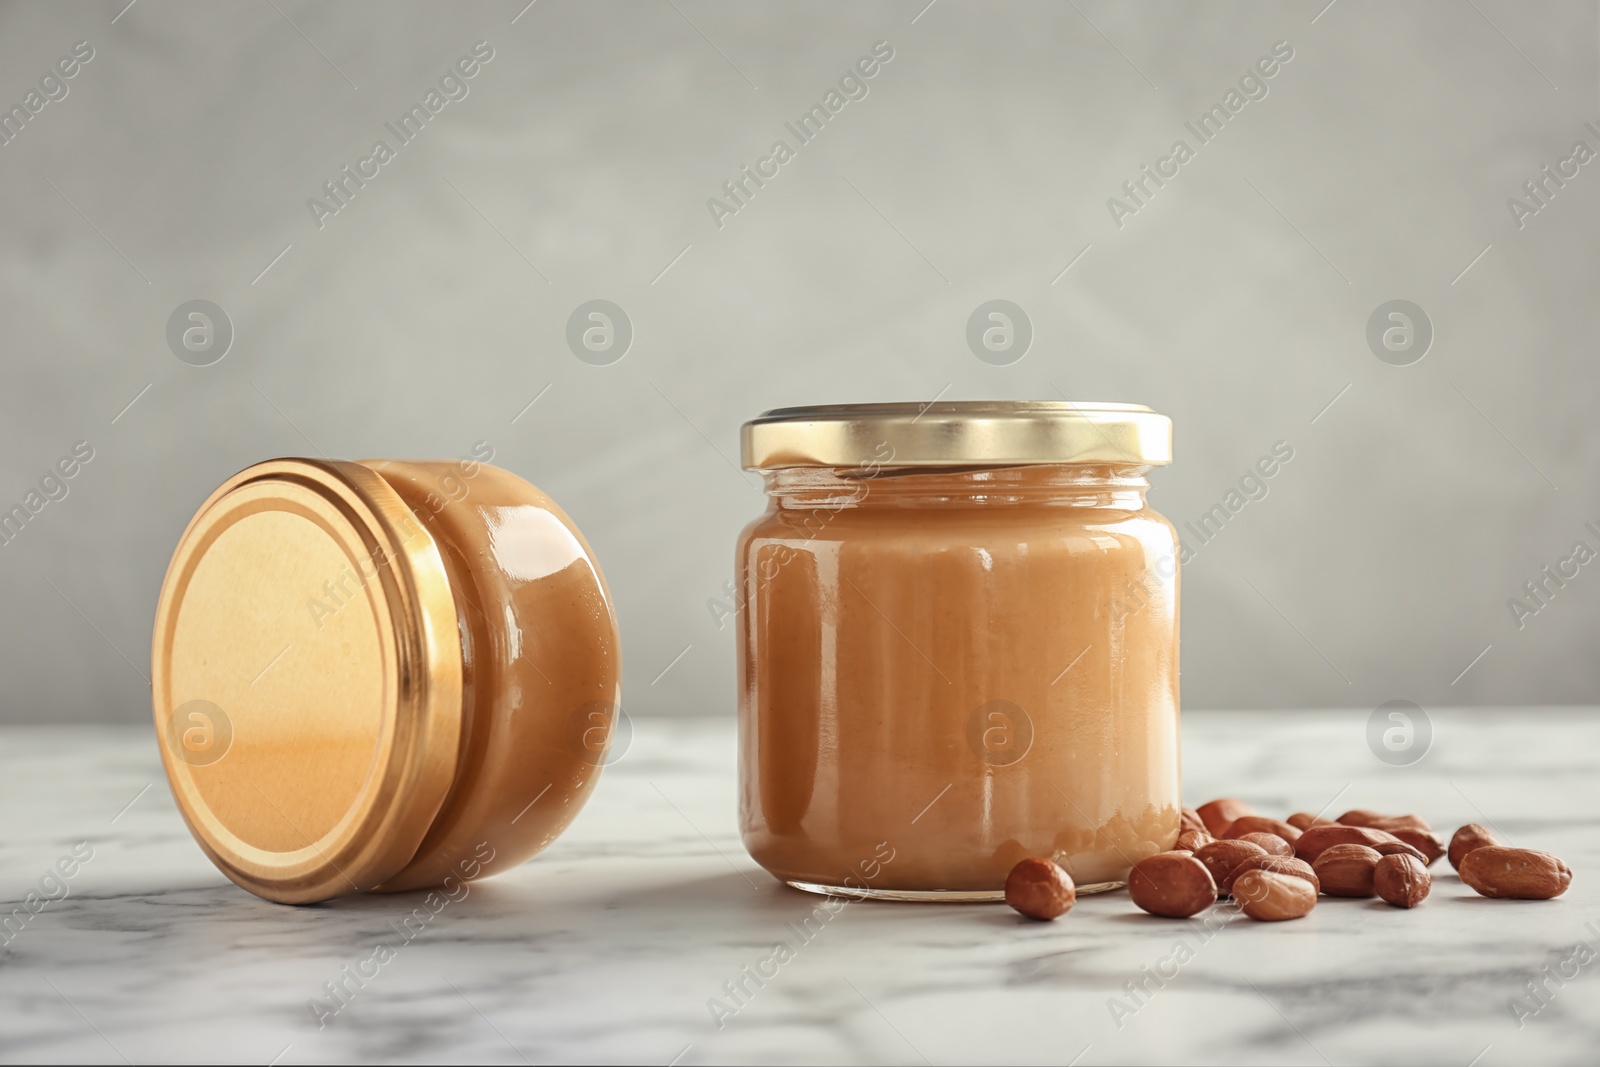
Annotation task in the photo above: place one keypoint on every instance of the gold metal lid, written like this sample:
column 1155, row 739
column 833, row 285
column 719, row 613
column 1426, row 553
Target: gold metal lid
column 957, row 433
column 306, row 679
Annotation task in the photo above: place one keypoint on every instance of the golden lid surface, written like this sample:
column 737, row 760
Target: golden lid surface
column 306, row 679
column 957, row 433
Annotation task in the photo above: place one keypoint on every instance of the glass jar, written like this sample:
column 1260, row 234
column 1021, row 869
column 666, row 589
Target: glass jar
column 381, row 675
column 958, row 647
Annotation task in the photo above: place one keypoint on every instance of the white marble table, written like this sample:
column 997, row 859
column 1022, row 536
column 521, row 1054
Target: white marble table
column 608, row 947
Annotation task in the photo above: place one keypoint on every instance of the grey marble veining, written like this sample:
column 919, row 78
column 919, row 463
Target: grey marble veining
column 608, row 947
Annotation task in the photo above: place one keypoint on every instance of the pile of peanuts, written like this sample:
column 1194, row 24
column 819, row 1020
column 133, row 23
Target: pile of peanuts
column 1276, row 870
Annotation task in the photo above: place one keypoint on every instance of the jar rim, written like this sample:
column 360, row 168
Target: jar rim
column 957, row 432
column 399, row 693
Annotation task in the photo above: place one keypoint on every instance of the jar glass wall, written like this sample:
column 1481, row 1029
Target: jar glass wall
column 944, row 671
column 384, row 675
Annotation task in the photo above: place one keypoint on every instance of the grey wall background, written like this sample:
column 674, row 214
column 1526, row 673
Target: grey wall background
column 427, row 313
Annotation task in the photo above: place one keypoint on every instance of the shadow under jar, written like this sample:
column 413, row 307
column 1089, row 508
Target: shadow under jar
column 958, row 647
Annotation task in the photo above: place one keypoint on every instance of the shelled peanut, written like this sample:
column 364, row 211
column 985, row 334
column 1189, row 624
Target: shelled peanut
column 1401, row 880
column 1040, row 889
column 1517, row 873
column 1277, row 869
column 1267, row 896
column 1174, row 885
column 1347, row 870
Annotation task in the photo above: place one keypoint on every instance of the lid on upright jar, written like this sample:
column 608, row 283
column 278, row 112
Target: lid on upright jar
column 306, row 679
column 956, row 433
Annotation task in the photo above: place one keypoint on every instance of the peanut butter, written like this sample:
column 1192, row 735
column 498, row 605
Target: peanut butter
column 382, row 675
column 972, row 664
column 540, row 665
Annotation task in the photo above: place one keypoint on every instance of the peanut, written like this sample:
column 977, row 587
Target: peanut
column 1189, row 819
column 1304, row 820
column 1272, row 844
column 1346, row 870
column 1272, row 897
column 1400, row 848
column 1277, row 865
column 1401, row 880
column 1430, row 844
column 1260, row 824
column 1412, row 829
column 1174, row 885
column 1219, row 814
column 1221, row 857
column 1379, row 821
column 1519, row 873
column 1313, row 841
column 1359, row 817
column 1193, row 840
column 1471, row 836
column 1040, row 889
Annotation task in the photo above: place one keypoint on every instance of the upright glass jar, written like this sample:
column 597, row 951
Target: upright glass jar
column 958, row 646
column 381, row 675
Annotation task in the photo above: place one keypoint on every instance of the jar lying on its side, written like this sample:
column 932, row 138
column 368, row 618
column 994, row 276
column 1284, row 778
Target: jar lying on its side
column 380, row 675
column 958, row 647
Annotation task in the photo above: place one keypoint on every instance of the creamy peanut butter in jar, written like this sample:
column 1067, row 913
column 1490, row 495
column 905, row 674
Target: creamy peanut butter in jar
column 958, row 646
column 385, row 675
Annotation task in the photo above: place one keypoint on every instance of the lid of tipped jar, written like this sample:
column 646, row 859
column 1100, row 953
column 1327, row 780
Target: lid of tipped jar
column 957, row 433
column 307, row 678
